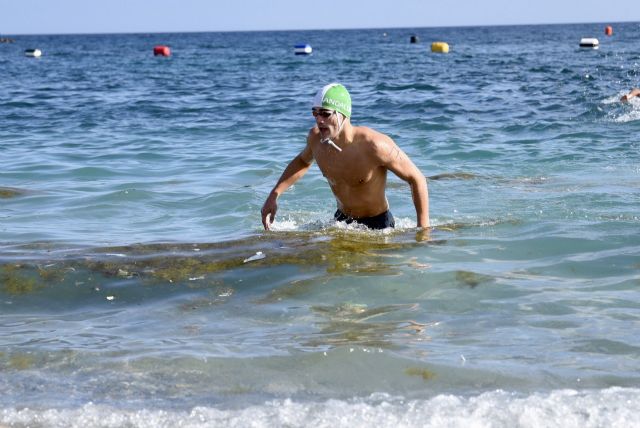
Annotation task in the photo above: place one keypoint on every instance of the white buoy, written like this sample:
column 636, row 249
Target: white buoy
column 34, row 53
column 588, row 42
column 303, row 49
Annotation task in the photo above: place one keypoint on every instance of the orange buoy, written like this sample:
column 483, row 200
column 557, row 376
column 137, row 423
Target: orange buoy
column 161, row 51
column 608, row 30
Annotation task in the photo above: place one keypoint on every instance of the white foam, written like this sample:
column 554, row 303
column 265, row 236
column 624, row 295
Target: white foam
column 613, row 407
column 629, row 116
column 297, row 222
column 614, row 99
column 630, row 111
column 285, row 225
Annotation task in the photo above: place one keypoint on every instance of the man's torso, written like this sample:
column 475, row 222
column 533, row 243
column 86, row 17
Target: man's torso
column 355, row 175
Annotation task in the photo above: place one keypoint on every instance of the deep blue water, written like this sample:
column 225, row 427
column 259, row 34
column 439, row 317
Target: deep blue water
column 130, row 192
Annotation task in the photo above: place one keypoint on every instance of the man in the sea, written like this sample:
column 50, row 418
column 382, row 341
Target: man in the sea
column 355, row 161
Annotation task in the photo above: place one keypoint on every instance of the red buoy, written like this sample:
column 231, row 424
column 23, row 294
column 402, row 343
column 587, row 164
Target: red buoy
column 161, row 51
column 608, row 30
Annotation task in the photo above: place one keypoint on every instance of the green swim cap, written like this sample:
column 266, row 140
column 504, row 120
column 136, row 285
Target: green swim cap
column 334, row 96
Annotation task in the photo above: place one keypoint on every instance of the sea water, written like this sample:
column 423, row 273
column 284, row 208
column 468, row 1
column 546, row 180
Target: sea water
column 138, row 289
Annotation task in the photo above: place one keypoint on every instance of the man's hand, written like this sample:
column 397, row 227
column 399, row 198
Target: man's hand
column 269, row 210
column 634, row 93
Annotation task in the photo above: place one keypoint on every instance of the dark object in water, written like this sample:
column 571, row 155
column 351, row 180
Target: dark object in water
column 9, row 192
column 453, row 176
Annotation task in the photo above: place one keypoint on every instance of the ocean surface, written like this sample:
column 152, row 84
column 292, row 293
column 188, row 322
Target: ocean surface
column 138, row 289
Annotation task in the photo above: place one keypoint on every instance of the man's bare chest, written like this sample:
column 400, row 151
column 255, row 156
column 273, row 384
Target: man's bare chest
column 343, row 169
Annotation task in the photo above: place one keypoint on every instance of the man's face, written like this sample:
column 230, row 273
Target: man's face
column 327, row 122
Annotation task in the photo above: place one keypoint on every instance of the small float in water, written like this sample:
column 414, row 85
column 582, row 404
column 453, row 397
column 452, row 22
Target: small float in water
column 589, row 42
column 440, row 47
column 303, row 49
column 33, row 53
column 161, row 50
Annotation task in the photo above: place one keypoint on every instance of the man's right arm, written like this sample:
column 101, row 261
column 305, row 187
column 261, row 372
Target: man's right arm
column 292, row 173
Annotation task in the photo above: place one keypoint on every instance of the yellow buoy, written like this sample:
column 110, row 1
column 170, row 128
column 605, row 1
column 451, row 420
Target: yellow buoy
column 440, row 47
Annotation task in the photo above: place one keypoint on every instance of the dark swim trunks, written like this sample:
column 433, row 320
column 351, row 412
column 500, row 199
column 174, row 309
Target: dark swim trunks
column 380, row 221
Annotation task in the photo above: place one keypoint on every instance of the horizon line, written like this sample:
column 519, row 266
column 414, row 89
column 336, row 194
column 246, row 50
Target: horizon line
column 315, row 29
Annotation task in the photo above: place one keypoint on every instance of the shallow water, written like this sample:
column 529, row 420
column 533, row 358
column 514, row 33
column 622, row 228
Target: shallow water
column 138, row 289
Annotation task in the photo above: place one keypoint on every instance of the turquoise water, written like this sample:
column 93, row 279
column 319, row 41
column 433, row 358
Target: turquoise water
column 130, row 192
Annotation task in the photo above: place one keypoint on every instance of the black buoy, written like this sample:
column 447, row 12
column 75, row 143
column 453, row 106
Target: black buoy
column 414, row 39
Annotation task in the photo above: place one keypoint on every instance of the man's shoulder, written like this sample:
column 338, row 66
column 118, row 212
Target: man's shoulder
column 376, row 144
column 371, row 137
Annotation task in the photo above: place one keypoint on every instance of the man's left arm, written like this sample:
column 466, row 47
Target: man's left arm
column 395, row 160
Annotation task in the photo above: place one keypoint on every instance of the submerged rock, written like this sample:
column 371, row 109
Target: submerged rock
column 10, row 192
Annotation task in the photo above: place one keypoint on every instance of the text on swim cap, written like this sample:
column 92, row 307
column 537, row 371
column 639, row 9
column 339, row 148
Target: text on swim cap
column 336, row 103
